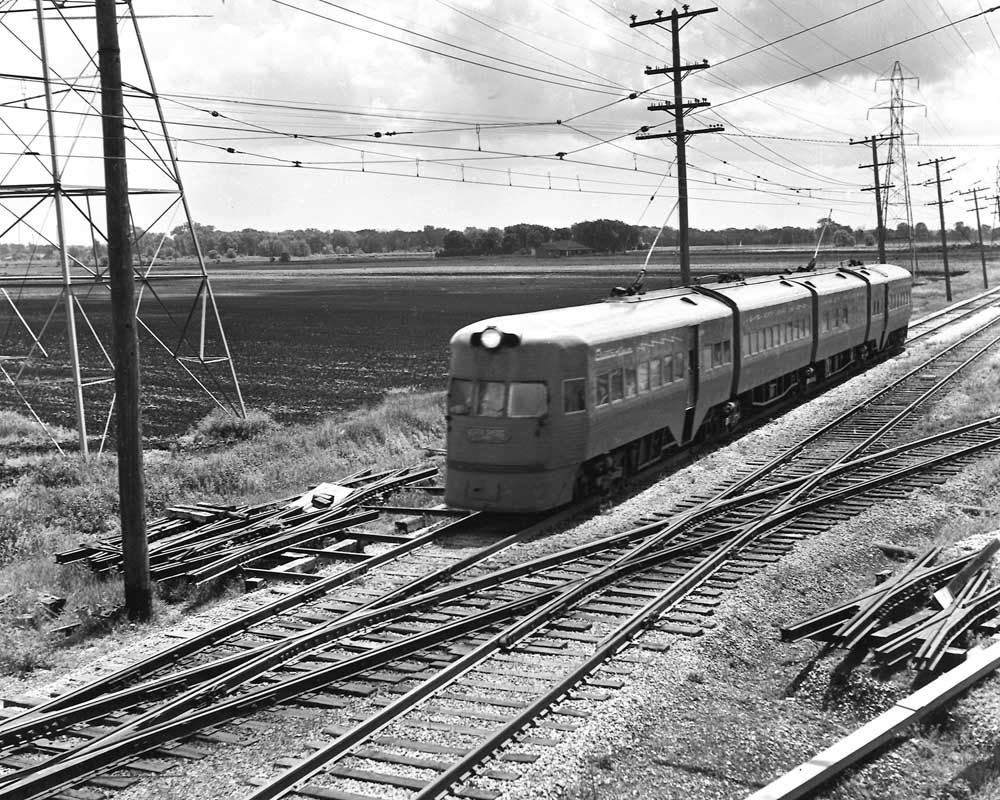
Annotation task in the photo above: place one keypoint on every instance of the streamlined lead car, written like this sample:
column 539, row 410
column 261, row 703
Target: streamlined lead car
column 552, row 405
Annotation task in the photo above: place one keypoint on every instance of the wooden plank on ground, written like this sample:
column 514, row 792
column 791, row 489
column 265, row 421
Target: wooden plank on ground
column 823, row 766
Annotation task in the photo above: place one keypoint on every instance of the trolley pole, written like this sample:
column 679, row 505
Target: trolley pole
column 944, row 232
column 131, row 488
column 979, row 229
column 679, row 109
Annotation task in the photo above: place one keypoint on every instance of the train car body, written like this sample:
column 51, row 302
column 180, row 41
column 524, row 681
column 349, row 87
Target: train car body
column 552, row 404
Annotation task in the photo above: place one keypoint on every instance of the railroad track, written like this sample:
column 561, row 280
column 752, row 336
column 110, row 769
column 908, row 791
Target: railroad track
column 282, row 665
column 938, row 320
column 552, row 625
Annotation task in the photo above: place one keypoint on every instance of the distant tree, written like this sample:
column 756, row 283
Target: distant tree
column 920, row 232
column 843, row 238
column 213, row 255
column 231, row 253
column 606, row 235
column 456, row 243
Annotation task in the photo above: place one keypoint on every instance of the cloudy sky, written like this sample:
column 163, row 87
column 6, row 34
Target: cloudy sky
column 308, row 113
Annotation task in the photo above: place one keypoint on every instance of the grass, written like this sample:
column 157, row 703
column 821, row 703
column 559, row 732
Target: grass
column 50, row 502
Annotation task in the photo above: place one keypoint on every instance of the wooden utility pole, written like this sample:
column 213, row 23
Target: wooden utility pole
column 877, row 188
column 944, row 232
column 679, row 109
column 979, row 229
column 131, row 488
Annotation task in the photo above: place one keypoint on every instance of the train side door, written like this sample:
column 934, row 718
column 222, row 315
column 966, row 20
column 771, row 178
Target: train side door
column 691, row 377
column 692, row 367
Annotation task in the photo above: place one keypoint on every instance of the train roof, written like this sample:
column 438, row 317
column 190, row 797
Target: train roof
column 618, row 318
column 606, row 321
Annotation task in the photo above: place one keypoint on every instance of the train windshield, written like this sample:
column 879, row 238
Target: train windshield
column 491, row 399
column 528, row 399
column 460, row 396
column 497, row 399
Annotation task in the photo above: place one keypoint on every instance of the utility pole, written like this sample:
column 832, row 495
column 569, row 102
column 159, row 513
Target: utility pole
column 878, row 187
column 944, row 232
column 131, row 488
column 979, row 229
column 678, row 109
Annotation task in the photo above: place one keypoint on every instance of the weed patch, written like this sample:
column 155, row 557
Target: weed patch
column 54, row 503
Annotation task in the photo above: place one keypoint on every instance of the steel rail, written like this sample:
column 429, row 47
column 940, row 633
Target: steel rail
column 576, row 591
column 63, row 772
column 992, row 294
column 127, row 746
column 273, row 654
column 223, row 631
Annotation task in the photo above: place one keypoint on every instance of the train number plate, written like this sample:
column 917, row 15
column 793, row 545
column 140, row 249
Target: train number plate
column 487, row 435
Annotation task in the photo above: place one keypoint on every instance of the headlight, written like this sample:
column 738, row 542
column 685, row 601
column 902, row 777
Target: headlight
column 491, row 338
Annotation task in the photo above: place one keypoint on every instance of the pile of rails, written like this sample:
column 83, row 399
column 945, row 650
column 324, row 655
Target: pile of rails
column 202, row 543
column 915, row 616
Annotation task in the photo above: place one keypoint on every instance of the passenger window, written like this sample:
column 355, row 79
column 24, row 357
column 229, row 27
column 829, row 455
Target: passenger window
column 460, row 396
column 574, row 395
column 655, row 373
column 643, row 376
column 727, row 352
column 679, row 367
column 617, row 391
column 528, row 400
column 630, row 381
column 603, row 389
column 706, row 357
column 491, row 398
column 668, row 369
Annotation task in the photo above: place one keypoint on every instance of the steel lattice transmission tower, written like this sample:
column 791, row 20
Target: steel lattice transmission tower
column 896, row 205
column 54, row 291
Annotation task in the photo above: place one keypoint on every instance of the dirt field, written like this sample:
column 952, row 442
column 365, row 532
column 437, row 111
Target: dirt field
column 313, row 337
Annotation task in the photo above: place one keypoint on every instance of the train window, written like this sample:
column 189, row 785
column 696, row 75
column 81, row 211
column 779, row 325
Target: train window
column 617, row 385
column 668, row 369
column 574, row 395
column 491, row 398
column 727, row 351
column 460, row 396
column 706, row 357
column 789, row 331
column 603, row 389
column 678, row 366
column 642, row 375
column 630, row 382
column 720, row 353
column 656, row 373
column 759, row 345
column 528, row 400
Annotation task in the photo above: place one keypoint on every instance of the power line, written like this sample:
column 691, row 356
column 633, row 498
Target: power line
column 452, row 56
column 856, row 58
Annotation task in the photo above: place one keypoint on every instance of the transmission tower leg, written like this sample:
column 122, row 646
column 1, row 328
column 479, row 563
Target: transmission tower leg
column 67, row 283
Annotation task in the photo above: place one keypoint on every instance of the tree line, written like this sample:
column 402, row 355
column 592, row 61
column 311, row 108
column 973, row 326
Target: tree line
column 600, row 236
